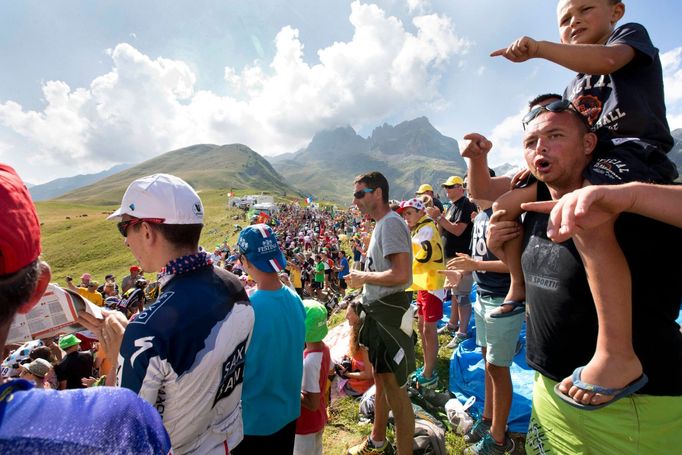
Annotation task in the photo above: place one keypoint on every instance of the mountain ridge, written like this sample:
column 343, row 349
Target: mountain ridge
column 408, row 154
column 203, row 166
column 57, row 187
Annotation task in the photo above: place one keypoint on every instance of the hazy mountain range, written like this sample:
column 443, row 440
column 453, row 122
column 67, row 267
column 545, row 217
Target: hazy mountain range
column 410, row 153
column 57, row 187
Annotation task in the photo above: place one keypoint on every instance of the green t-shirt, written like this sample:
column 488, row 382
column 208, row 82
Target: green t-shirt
column 319, row 272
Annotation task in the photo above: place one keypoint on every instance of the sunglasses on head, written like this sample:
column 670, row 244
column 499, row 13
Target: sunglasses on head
column 360, row 194
column 554, row 106
column 124, row 225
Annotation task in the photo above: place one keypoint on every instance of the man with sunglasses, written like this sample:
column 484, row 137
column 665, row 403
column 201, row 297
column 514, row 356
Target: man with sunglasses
column 387, row 275
column 456, row 227
column 571, row 323
column 425, row 188
column 185, row 353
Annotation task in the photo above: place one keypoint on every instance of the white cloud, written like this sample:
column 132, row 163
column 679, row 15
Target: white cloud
column 5, row 150
column 672, row 78
column 418, row 6
column 672, row 75
column 674, row 121
column 147, row 106
column 506, row 137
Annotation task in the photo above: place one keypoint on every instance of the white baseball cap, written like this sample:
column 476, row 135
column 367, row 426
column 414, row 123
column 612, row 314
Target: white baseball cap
column 161, row 196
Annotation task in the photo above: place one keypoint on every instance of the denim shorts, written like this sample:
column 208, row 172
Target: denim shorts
column 497, row 335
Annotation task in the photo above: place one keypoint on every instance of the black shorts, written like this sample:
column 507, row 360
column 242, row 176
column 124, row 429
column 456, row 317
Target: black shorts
column 282, row 441
column 342, row 284
column 316, row 284
column 631, row 161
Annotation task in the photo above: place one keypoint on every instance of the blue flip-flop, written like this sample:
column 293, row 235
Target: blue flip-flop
column 517, row 308
column 628, row 390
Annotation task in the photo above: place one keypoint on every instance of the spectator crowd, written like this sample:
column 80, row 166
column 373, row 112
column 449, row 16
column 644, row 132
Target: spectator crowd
column 222, row 350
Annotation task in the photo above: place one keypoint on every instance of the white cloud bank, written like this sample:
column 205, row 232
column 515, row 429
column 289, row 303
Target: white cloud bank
column 146, row 106
column 672, row 78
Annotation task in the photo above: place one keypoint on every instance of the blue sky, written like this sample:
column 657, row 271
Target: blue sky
column 87, row 84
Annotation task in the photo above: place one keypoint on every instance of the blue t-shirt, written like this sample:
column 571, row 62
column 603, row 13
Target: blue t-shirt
column 271, row 395
column 345, row 269
column 99, row 420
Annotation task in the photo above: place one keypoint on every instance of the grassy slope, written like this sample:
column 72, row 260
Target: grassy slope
column 92, row 244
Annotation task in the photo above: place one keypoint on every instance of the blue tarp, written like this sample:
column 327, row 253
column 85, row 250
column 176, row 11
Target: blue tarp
column 467, row 376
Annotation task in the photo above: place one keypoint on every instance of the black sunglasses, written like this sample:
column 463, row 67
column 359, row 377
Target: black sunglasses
column 449, row 187
column 360, row 194
column 124, row 225
column 554, row 106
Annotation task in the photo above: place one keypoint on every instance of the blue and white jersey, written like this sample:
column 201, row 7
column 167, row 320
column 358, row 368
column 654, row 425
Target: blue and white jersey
column 100, row 420
column 185, row 355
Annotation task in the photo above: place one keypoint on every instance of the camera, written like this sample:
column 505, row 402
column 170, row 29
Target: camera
column 344, row 367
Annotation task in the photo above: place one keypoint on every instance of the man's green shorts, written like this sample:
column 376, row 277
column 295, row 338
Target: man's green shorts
column 498, row 335
column 638, row 424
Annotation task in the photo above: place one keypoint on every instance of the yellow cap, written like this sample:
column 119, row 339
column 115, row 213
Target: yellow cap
column 424, row 188
column 453, row 180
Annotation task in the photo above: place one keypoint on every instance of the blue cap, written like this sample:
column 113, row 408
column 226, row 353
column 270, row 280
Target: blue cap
column 259, row 244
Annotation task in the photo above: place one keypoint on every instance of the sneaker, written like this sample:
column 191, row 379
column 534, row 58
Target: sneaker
column 478, row 431
column 427, row 383
column 452, row 329
column 417, row 372
column 367, row 448
column 488, row 446
column 456, row 341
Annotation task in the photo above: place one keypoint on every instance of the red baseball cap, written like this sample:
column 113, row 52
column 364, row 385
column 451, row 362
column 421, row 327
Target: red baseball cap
column 135, row 268
column 20, row 227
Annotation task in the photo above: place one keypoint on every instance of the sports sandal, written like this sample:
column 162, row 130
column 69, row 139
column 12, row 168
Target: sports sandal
column 628, row 390
column 517, row 308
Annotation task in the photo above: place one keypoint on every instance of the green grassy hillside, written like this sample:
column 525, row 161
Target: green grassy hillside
column 203, row 166
column 77, row 238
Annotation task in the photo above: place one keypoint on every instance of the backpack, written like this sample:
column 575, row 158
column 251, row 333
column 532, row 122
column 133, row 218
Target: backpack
column 429, row 435
column 367, row 403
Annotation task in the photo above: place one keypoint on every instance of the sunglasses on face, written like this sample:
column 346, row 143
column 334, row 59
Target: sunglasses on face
column 124, row 225
column 554, row 106
column 449, row 187
column 360, row 194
